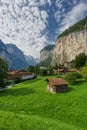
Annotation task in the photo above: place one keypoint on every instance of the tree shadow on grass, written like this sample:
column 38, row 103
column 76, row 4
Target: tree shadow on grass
column 70, row 89
column 17, row 92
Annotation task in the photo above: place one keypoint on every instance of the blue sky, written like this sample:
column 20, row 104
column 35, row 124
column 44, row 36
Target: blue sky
column 33, row 24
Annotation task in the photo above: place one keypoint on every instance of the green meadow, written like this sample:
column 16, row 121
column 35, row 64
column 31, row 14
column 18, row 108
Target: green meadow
column 29, row 106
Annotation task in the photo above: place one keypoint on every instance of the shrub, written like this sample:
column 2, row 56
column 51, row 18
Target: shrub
column 72, row 77
column 84, row 72
column 17, row 79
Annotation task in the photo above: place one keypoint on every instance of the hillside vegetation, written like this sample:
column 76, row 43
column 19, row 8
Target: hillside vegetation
column 81, row 25
column 48, row 48
column 29, row 106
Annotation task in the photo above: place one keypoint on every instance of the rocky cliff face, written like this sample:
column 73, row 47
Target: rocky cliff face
column 68, row 47
column 69, row 43
column 46, row 55
column 65, row 49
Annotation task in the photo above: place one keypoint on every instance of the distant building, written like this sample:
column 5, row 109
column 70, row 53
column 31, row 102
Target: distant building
column 57, row 85
column 72, row 70
column 26, row 75
column 67, row 64
column 23, row 75
column 62, row 71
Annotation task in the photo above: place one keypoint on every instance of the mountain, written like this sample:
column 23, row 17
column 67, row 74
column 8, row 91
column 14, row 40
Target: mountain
column 31, row 60
column 79, row 26
column 4, row 53
column 15, row 57
column 46, row 55
column 70, row 43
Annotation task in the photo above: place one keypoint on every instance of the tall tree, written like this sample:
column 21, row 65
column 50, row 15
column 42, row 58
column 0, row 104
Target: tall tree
column 80, row 60
column 3, row 72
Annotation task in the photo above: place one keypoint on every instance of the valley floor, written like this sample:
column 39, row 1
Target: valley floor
column 29, row 106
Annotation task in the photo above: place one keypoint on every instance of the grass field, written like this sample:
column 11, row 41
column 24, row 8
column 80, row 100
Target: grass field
column 29, row 106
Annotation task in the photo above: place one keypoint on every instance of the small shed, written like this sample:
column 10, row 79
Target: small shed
column 57, row 85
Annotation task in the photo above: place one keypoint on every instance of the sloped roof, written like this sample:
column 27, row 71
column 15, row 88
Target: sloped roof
column 19, row 73
column 24, row 73
column 56, row 81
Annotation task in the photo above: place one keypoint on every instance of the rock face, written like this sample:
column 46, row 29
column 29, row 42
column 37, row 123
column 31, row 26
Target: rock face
column 68, row 47
column 65, row 49
column 46, row 55
column 69, row 43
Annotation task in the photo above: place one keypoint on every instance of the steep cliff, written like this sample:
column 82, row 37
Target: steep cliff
column 68, row 47
column 70, row 43
column 46, row 55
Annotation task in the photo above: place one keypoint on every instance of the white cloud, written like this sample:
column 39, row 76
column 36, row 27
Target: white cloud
column 22, row 23
column 74, row 15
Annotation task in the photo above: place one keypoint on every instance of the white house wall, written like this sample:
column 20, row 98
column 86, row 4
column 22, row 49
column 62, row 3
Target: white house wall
column 27, row 77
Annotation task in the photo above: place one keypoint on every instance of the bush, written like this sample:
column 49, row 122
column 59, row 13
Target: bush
column 79, row 76
column 84, row 72
column 17, row 79
column 72, row 77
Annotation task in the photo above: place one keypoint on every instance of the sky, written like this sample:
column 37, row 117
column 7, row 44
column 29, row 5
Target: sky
column 33, row 24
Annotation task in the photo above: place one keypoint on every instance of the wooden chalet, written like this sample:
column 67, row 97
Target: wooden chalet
column 57, row 85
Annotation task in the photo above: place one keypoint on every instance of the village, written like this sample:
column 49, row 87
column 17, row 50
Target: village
column 54, row 85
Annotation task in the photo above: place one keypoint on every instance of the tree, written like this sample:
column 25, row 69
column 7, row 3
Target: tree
column 50, row 70
column 43, row 72
column 3, row 72
column 80, row 60
column 84, row 72
column 31, row 68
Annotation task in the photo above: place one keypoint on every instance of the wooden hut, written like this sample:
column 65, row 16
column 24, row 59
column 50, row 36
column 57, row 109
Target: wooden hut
column 56, row 85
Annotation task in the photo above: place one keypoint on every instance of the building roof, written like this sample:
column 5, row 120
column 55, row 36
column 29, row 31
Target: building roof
column 56, row 81
column 72, row 70
column 19, row 73
column 24, row 73
column 61, row 70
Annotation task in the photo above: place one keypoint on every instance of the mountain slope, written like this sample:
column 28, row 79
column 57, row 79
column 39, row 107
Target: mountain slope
column 46, row 55
column 70, row 43
column 4, row 53
column 79, row 26
column 31, row 60
column 17, row 57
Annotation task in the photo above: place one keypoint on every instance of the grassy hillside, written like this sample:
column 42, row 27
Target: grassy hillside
column 75, row 28
column 29, row 106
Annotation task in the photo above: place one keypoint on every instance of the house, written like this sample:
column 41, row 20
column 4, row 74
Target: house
column 62, row 71
column 12, row 74
column 23, row 75
column 26, row 75
column 67, row 64
column 57, row 85
column 72, row 70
